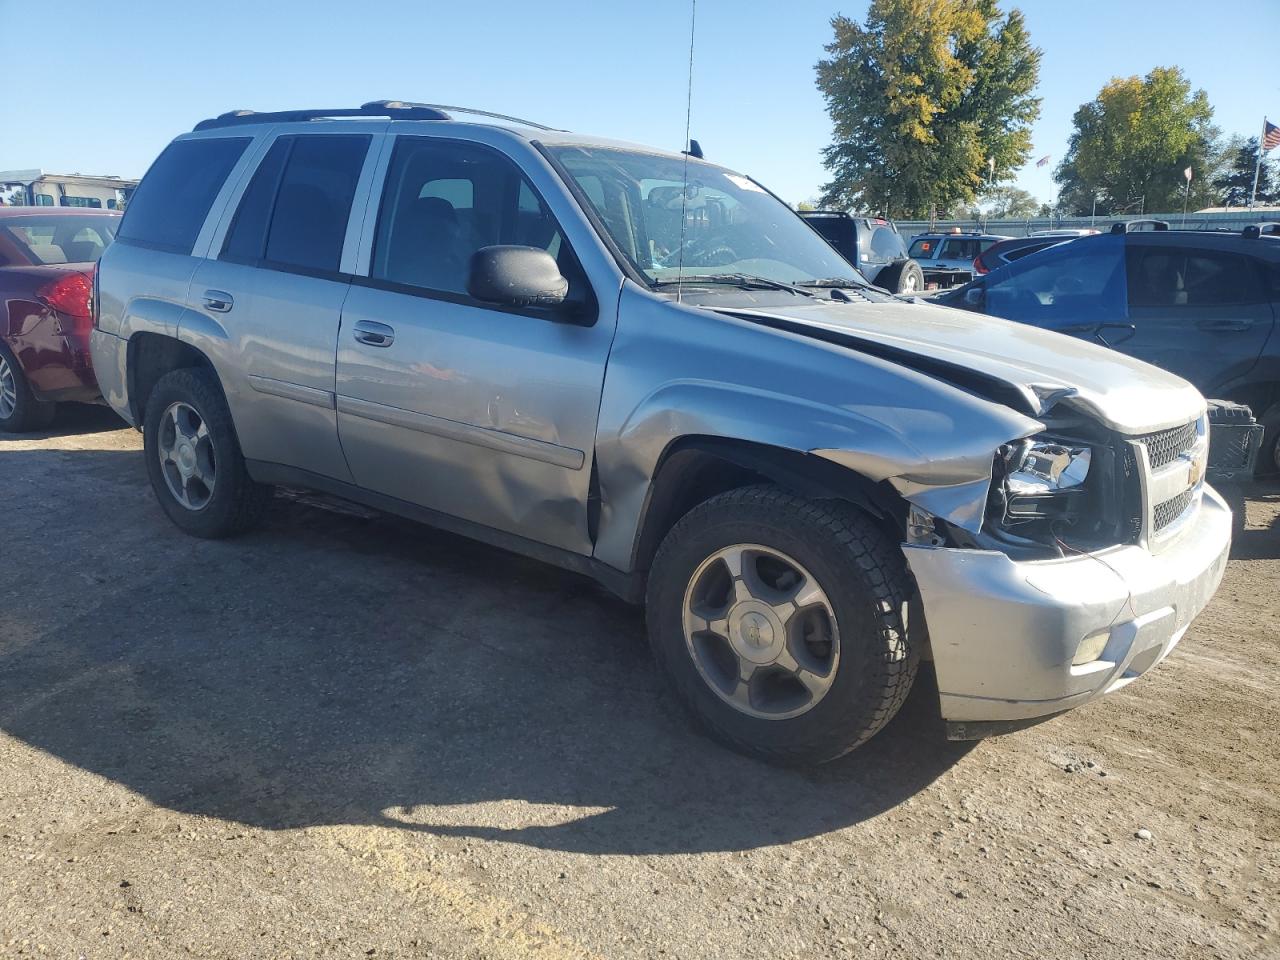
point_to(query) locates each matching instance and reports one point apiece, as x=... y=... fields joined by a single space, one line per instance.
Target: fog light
x=1091 y=648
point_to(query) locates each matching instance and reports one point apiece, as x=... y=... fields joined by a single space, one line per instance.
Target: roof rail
x=240 y=117
x=395 y=109
x=1128 y=226
x=1256 y=230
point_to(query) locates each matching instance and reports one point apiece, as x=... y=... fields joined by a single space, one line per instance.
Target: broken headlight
x=1044 y=479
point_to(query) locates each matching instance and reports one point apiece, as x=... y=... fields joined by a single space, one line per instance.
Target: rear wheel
x=780 y=623
x=194 y=460
x=20 y=411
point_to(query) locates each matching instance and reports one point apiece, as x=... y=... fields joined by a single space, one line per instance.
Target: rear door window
x=171 y=203
x=886 y=245
x=1166 y=276
x=313 y=201
x=247 y=239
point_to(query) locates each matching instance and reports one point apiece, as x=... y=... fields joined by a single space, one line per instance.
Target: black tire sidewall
x=198 y=388
x=911 y=269
x=851 y=711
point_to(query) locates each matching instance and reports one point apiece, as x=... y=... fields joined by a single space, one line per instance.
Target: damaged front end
x=1071 y=569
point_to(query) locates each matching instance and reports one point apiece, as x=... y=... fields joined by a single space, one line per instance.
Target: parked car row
x=643 y=367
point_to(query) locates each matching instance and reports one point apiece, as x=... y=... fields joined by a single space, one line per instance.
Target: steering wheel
x=716 y=255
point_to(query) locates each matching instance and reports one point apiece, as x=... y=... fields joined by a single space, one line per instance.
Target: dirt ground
x=350 y=736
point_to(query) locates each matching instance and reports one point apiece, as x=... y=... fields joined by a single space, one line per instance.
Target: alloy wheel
x=186 y=455
x=761 y=631
x=8 y=390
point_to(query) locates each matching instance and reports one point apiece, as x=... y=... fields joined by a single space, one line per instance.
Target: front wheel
x=780 y=623
x=194 y=460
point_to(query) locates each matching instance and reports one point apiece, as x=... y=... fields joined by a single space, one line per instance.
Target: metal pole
x=1186 y=195
x=1257 y=167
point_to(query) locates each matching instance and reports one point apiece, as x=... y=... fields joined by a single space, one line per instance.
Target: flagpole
x=1257 y=167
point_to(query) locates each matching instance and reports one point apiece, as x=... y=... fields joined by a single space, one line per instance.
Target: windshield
x=725 y=222
x=923 y=248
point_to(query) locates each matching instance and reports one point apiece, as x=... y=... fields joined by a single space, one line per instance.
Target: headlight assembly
x=1044 y=479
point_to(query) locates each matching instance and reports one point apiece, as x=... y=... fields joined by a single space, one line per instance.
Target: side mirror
x=516 y=277
x=975 y=296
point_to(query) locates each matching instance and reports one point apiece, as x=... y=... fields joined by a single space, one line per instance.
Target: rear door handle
x=1238 y=324
x=373 y=334
x=218 y=301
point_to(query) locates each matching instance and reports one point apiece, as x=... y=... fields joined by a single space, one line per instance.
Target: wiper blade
x=744 y=281
x=841 y=283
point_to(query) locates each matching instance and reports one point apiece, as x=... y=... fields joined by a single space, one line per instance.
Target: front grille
x=1165 y=446
x=1169 y=511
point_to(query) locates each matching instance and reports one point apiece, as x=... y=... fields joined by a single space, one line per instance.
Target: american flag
x=1270 y=135
x=1045 y=159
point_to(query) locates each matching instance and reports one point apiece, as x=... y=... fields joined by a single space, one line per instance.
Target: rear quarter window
x=886 y=245
x=173 y=199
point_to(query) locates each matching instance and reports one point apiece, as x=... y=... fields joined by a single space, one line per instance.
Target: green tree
x=1235 y=181
x=1008 y=203
x=922 y=98
x=1130 y=146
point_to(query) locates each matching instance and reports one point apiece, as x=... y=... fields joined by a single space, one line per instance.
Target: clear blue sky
x=118 y=80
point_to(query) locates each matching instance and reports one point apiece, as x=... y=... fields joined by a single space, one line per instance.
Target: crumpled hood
x=1125 y=394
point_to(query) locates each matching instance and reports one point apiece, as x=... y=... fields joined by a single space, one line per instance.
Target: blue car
x=1201 y=304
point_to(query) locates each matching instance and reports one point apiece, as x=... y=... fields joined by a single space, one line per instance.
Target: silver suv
x=646 y=368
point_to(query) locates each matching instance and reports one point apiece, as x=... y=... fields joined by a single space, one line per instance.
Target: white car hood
x=1125 y=394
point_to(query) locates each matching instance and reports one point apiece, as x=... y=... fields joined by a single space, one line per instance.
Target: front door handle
x=218 y=301
x=373 y=334
x=1237 y=324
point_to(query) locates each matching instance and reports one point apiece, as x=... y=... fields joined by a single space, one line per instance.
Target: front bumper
x=1004 y=633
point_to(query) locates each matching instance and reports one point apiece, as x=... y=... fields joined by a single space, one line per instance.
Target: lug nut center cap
x=186 y=457
x=755 y=632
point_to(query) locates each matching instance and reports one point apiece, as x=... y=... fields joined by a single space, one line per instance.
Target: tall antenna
x=684 y=187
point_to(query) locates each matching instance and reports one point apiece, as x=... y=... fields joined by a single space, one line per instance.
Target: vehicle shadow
x=1252 y=543
x=342 y=667
x=77 y=418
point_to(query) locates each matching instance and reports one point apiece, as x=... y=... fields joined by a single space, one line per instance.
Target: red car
x=47 y=259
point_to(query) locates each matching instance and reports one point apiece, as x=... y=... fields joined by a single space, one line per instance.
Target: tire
x=230 y=503
x=20 y=411
x=903 y=277
x=865 y=588
x=1268 y=464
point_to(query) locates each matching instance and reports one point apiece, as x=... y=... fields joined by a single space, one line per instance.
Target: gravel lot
x=352 y=736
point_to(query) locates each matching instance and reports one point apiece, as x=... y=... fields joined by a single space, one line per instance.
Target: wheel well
x=695 y=469
x=151 y=356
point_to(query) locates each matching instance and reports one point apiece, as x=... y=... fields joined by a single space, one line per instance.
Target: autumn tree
x=1130 y=146
x=922 y=98
x=1235 y=182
